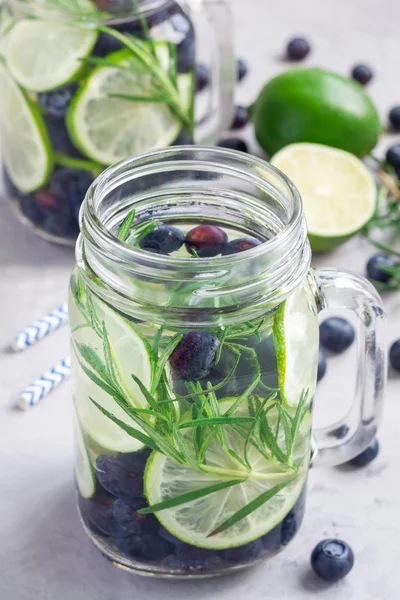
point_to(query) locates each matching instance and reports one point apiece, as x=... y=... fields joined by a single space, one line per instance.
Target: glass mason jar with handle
x=193 y=314
x=86 y=83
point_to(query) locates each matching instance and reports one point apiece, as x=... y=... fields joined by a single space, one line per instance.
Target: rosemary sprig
x=125 y=227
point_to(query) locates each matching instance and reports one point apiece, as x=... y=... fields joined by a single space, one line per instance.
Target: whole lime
x=313 y=105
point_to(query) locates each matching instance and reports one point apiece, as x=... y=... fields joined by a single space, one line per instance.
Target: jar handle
x=340 y=289
x=214 y=45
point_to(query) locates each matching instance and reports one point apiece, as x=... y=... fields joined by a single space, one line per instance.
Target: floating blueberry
x=191 y=558
x=298 y=48
x=100 y=513
x=289 y=528
x=61 y=225
x=243 y=554
x=167 y=536
x=394 y=355
x=241 y=69
x=163 y=239
x=194 y=356
x=207 y=240
x=321 y=365
x=394 y=118
x=145 y=547
x=56 y=103
x=202 y=77
x=186 y=52
x=336 y=334
x=126 y=514
x=240 y=118
x=233 y=144
x=362 y=73
x=47 y=200
x=240 y=245
x=332 y=559
x=376 y=266
x=59 y=138
x=70 y=187
x=31 y=210
x=367 y=456
x=393 y=156
x=122 y=475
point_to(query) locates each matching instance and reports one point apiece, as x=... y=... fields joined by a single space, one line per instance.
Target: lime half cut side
x=296 y=336
x=25 y=144
x=43 y=55
x=338 y=191
x=108 y=129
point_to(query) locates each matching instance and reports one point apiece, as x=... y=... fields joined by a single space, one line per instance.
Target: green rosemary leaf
x=215 y=412
x=112 y=374
x=221 y=335
x=244 y=432
x=132 y=98
x=156 y=342
x=286 y=427
x=125 y=227
x=193 y=252
x=93 y=317
x=217 y=421
x=254 y=428
x=151 y=401
x=251 y=507
x=103 y=62
x=102 y=384
x=189 y=496
x=82 y=326
x=94 y=360
x=184 y=449
x=243 y=397
x=140 y=232
x=236 y=457
x=206 y=441
x=270 y=441
x=162 y=360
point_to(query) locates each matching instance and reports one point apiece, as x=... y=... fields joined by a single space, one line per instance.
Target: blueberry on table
x=240 y=245
x=393 y=156
x=147 y=547
x=369 y=454
x=376 y=267
x=194 y=356
x=100 y=513
x=163 y=239
x=321 y=365
x=243 y=554
x=206 y=240
x=56 y=102
x=362 y=73
x=121 y=475
x=240 y=118
x=340 y=432
x=298 y=48
x=394 y=118
x=127 y=515
x=336 y=334
x=241 y=69
x=332 y=559
x=234 y=144
x=394 y=355
x=202 y=77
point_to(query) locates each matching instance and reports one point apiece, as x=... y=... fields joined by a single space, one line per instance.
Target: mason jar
x=86 y=83
x=193 y=314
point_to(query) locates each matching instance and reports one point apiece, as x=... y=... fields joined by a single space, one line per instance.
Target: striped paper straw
x=42 y=387
x=40 y=329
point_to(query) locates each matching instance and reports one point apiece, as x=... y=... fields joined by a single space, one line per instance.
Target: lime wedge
x=83 y=469
x=296 y=336
x=338 y=191
x=108 y=129
x=25 y=144
x=129 y=355
x=43 y=55
x=193 y=521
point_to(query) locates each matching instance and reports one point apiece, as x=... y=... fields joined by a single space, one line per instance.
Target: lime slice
x=25 y=144
x=338 y=191
x=43 y=55
x=130 y=356
x=83 y=469
x=6 y=24
x=108 y=129
x=296 y=336
x=193 y=521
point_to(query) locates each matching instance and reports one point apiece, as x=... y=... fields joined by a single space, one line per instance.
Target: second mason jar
x=87 y=83
x=193 y=315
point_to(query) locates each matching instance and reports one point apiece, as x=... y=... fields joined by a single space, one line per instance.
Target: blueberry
x=394 y=355
x=233 y=144
x=59 y=138
x=298 y=48
x=240 y=118
x=100 y=513
x=289 y=528
x=393 y=156
x=367 y=456
x=61 y=225
x=194 y=356
x=207 y=240
x=145 y=547
x=241 y=69
x=362 y=73
x=106 y=44
x=31 y=210
x=70 y=187
x=163 y=239
x=394 y=118
x=376 y=266
x=243 y=554
x=47 y=200
x=202 y=77
x=340 y=432
x=332 y=559
x=186 y=52
x=336 y=334
x=191 y=558
x=321 y=365
x=168 y=537
x=56 y=103
x=126 y=514
x=122 y=475
x=240 y=245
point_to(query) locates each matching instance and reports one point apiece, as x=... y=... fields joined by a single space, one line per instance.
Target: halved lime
x=193 y=521
x=25 y=144
x=129 y=355
x=338 y=191
x=83 y=469
x=296 y=336
x=108 y=129
x=43 y=55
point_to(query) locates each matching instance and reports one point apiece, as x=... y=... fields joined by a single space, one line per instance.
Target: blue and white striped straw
x=40 y=388
x=40 y=329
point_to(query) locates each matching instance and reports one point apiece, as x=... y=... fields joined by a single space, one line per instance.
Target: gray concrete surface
x=44 y=554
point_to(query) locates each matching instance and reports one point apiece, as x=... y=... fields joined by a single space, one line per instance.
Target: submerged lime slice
x=108 y=129
x=83 y=469
x=43 y=55
x=296 y=336
x=25 y=144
